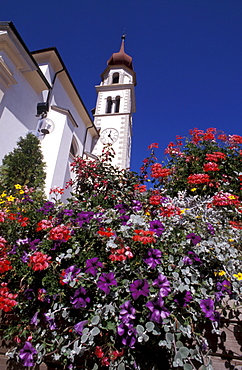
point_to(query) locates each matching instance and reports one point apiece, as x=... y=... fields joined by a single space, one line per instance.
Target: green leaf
x=95 y=331
x=121 y=366
x=95 y=320
x=169 y=337
x=179 y=344
x=84 y=338
x=149 y=326
x=140 y=329
x=184 y=351
x=187 y=367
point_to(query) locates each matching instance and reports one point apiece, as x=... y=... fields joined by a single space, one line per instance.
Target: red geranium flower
x=5 y=265
x=44 y=224
x=108 y=232
x=39 y=261
x=153 y=145
x=7 y=299
x=158 y=171
x=60 y=232
x=210 y=166
x=199 y=178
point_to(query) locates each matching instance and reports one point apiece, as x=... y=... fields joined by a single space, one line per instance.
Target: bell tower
x=115 y=107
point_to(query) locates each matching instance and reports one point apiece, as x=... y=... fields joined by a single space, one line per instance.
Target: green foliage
x=24 y=165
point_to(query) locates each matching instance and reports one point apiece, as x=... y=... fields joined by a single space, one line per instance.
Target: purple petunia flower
x=33 y=244
x=80 y=298
x=183 y=298
x=105 y=280
x=157 y=227
x=29 y=294
x=124 y=219
x=194 y=257
x=194 y=238
x=50 y=321
x=128 y=334
x=210 y=229
x=153 y=258
x=158 y=310
x=25 y=257
x=137 y=205
x=26 y=354
x=13 y=250
x=47 y=207
x=79 y=326
x=84 y=217
x=68 y=212
x=127 y=312
x=138 y=288
x=207 y=306
x=92 y=265
x=35 y=320
x=187 y=261
x=163 y=284
x=70 y=274
x=26 y=198
x=22 y=241
x=223 y=287
x=121 y=208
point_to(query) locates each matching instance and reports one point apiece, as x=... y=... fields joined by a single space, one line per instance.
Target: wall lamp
x=45 y=125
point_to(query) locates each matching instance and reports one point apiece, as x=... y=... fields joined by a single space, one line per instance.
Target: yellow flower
x=184 y=210
x=231 y=240
x=193 y=189
x=17 y=186
x=220 y=273
x=21 y=192
x=238 y=276
x=3 y=194
x=231 y=197
x=10 y=198
x=147 y=213
x=2 y=201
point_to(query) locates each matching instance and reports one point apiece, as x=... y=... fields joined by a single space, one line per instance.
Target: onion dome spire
x=121 y=57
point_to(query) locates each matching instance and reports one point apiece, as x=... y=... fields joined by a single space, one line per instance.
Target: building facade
x=35 y=86
x=115 y=107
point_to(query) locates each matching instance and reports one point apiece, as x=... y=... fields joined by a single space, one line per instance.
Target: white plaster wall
x=50 y=146
x=124 y=76
x=124 y=108
x=17 y=110
x=47 y=71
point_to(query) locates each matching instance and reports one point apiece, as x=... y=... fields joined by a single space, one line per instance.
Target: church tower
x=115 y=107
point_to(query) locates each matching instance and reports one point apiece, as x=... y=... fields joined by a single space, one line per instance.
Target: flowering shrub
x=122 y=277
x=205 y=163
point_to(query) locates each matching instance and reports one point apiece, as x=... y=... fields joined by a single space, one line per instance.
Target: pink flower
x=7 y=299
x=60 y=233
x=39 y=261
x=44 y=224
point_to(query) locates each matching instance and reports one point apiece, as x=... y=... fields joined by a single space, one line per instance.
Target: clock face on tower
x=109 y=136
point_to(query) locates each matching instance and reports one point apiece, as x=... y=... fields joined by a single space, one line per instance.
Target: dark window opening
x=109 y=105
x=117 y=104
x=115 y=78
x=74 y=147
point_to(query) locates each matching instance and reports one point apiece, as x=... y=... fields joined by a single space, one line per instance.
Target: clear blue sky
x=187 y=55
